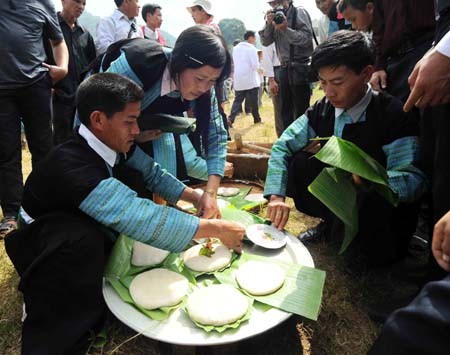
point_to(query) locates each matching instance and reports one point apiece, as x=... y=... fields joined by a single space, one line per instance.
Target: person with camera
x=289 y=27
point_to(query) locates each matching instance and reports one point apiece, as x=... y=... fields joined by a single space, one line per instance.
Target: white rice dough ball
x=227 y=191
x=202 y=263
x=146 y=255
x=259 y=278
x=217 y=305
x=158 y=288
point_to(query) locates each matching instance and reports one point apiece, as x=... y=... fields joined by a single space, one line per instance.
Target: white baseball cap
x=204 y=4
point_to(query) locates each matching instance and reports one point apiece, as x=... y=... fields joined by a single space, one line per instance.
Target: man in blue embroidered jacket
x=373 y=121
x=72 y=196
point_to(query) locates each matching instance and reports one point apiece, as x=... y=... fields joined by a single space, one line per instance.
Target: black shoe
x=313 y=234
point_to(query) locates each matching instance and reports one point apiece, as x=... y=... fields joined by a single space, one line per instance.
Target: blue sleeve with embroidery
x=404 y=178
x=195 y=165
x=217 y=141
x=293 y=139
x=116 y=206
x=156 y=179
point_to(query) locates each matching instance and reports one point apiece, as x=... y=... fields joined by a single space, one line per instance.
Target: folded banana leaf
x=334 y=186
x=167 y=123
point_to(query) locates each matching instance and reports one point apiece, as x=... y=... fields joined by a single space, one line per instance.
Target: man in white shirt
x=151 y=13
x=246 y=76
x=120 y=25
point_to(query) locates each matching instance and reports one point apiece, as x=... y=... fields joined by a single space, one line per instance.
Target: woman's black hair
x=198 y=46
x=348 y=48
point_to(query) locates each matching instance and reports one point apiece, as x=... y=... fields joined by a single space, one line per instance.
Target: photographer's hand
x=282 y=26
x=269 y=16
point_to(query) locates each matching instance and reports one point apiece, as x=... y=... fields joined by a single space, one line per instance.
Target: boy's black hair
x=105 y=92
x=349 y=48
x=249 y=34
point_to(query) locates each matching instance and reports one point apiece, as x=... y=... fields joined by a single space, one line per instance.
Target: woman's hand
x=278 y=211
x=207 y=206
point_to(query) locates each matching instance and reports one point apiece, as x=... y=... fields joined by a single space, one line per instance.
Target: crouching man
x=75 y=207
x=373 y=121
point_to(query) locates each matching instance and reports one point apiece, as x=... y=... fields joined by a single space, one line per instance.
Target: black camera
x=280 y=14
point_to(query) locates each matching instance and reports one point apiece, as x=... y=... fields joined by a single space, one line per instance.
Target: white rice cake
x=228 y=191
x=158 y=288
x=217 y=305
x=202 y=263
x=259 y=278
x=256 y=198
x=146 y=255
x=222 y=203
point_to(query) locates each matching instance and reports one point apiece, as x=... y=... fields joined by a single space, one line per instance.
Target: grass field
x=343 y=326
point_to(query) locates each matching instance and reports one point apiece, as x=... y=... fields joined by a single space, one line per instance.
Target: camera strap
x=293 y=26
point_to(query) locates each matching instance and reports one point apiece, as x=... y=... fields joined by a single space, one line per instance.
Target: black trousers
x=63 y=115
x=294 y=98
x=60 y=259
x=251 y=96
x=423 y=327
x=30 y=105
x=384 y=230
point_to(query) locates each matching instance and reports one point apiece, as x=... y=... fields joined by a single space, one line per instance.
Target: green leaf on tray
x=301 y=292
x=222 y=328
x=334 y=186
x=122 y=288
x=120 y=272
x=239 y=200
x=244 y=217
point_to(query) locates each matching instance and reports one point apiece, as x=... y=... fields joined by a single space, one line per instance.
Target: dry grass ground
x=343 y=326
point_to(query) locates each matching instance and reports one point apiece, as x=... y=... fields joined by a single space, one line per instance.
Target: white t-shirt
x=246 y=65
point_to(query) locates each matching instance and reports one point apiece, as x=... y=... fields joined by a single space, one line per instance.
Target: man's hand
x=441 y=242
x=429 y=82
x=273 y=87
x=282 y=26
x=313 y=147
x=148 y=135
x=379 y=80
x=278 y=211
x=56 y=73
x=229 y=233
x=269 y=16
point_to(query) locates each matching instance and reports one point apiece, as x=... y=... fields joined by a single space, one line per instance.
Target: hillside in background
x=90 y=22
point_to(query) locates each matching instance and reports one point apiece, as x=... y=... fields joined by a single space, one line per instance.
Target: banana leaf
x=301 y=292
x=347 y=156
x=167 y=123
x=334 y=186
x=244 y=217
x=335 y=189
